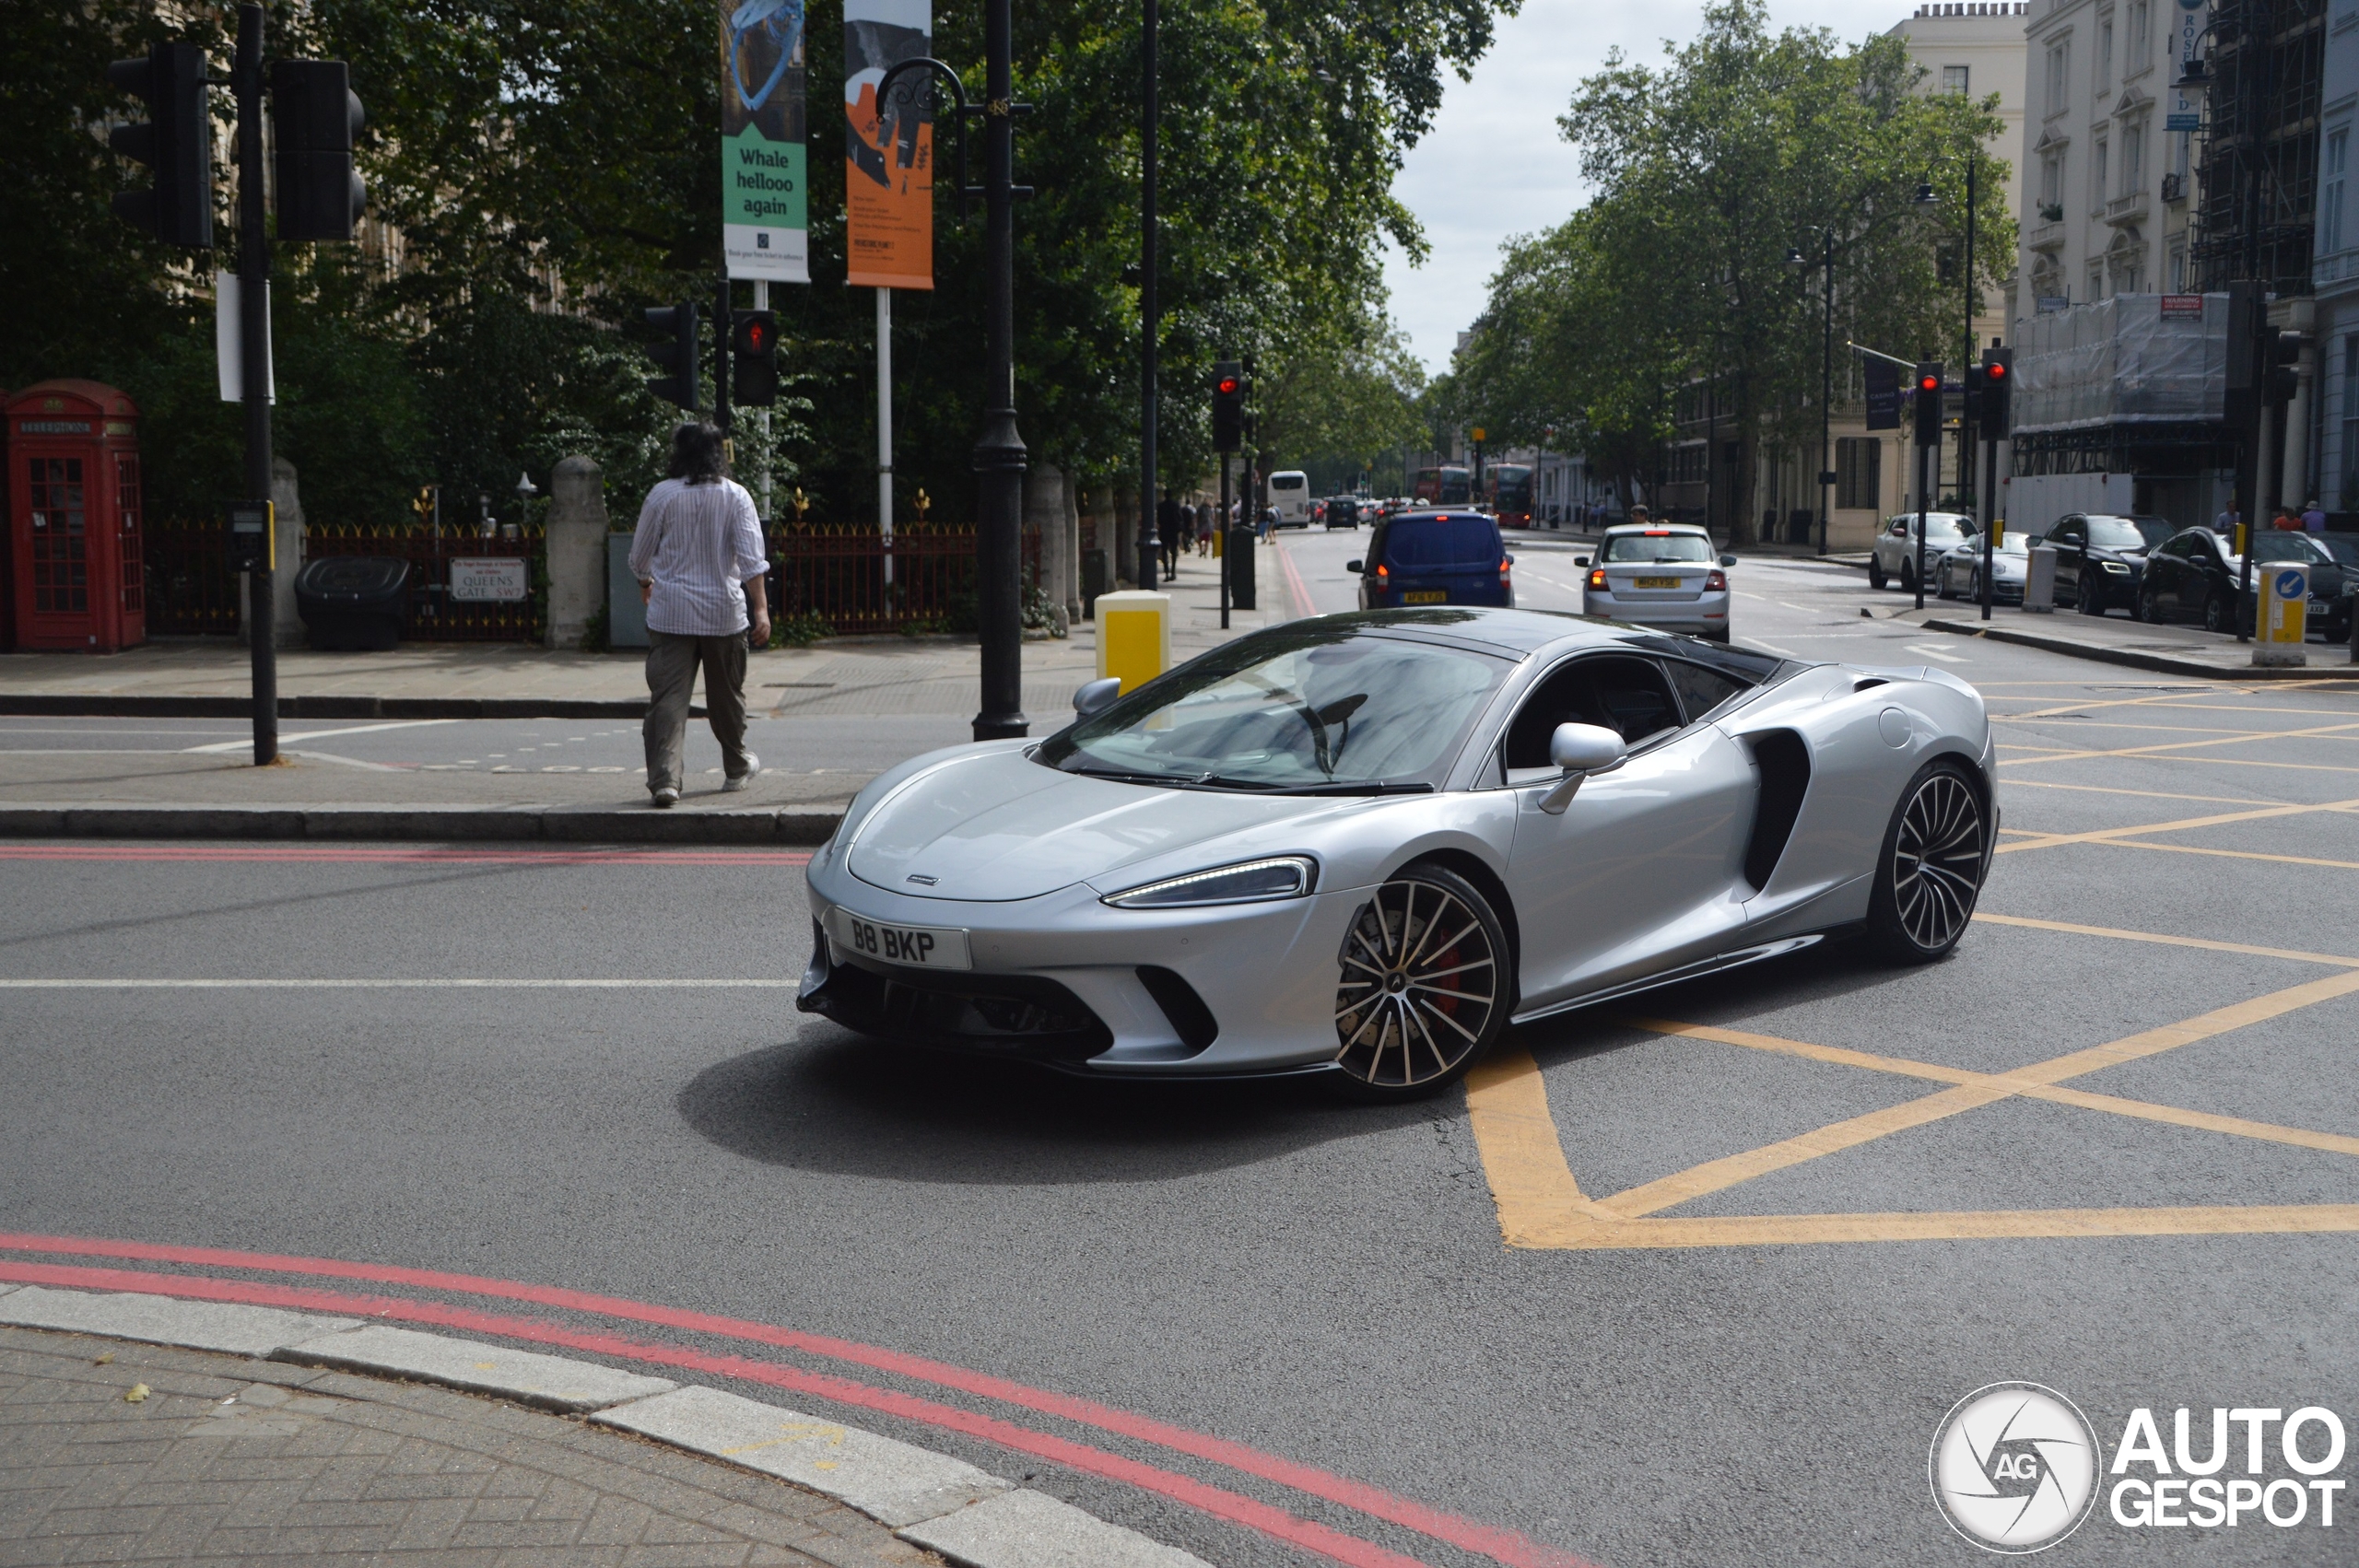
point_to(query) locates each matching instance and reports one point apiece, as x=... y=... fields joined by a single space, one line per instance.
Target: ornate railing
x=432 y=615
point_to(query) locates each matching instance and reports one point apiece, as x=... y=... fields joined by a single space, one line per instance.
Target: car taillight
x=1504 y=565
x=1597 y=577
x=1381 y=572
x=1716 y=582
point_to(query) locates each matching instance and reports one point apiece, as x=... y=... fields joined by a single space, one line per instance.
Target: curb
x=433 y=823
x=2163 y=663
x=28 y=704
x=929 y=1500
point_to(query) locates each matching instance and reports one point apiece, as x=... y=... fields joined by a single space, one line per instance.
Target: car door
x=2165 y=569
x=1642 y=870
x=2070 y=539
x=2207 y=579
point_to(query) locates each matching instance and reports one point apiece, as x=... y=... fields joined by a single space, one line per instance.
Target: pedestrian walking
x=2229 y=525
x=2314 y=518
x=699 y=561
x=1204 y=529
x=1167 y=528
x=2286 y=521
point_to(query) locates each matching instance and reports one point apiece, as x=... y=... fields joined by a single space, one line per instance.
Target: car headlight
x=1250 y=882
x=2116 y=566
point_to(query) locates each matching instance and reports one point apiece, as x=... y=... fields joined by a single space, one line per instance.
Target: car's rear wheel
x=1423 y=987
x=2215 y=615
x=1936 y=852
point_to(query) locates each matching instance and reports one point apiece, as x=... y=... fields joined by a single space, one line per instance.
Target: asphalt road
x=1324 y=1283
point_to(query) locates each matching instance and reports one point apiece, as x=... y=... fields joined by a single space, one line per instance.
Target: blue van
x=1435 y=558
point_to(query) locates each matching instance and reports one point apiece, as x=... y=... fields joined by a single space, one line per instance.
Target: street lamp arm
x=943 y=72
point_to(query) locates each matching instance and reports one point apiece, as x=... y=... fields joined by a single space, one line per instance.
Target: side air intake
x=1784 y=762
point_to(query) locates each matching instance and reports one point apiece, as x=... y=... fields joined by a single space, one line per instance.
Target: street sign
x=489 y=580
x=1882 y=379
x=765 y=184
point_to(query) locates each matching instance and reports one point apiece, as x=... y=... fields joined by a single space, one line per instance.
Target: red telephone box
x=74 y=516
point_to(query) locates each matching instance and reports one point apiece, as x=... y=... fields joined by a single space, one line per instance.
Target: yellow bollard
x=1133 y=636
x=2285 y=592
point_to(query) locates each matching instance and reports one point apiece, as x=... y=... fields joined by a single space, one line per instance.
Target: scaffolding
x=2260 y=151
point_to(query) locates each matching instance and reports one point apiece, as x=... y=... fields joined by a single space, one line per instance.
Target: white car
x=1889 y=559
x=1290 y=497
x=1662 y=575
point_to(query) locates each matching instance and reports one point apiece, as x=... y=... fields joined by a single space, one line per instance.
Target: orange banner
x=889 y=148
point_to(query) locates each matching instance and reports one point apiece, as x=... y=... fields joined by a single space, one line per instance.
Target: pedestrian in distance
x=2286 y=521
x=1167 y=528
x=2229 y=525
x=2313 y=517
x=700 y=562
x=1204 y=529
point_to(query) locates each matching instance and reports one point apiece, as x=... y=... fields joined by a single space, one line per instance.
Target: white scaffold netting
x=2121 y=362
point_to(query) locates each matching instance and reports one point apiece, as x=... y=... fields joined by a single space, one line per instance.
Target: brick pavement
x=234 y=1460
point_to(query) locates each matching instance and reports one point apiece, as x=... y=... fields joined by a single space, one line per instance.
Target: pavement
x=145 y=1427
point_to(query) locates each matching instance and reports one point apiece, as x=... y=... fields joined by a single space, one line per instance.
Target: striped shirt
x=697 y=544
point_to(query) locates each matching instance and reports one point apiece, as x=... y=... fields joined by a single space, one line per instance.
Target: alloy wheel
x=1420 y=985
x=1937 y=861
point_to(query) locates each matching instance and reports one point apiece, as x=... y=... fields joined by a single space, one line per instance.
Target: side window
x=1626 y=696
x=1700 y=690
x=2182 y=545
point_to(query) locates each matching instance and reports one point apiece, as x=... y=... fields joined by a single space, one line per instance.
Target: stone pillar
x=1071 y=550
x=286 y=621
x=1044 y=514
x=2293 y=479
x=576 y=539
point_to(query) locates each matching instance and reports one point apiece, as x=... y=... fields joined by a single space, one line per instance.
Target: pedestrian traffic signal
x=1926 y=393
x=753 y=380
x=683 y=323
x=1228 y=405
x=176 y=142
x=2280 y=378
x=1998 y=390
x=314 y=117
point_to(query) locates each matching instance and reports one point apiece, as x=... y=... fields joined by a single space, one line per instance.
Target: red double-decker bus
x=1448 y=485
x=1507 y=490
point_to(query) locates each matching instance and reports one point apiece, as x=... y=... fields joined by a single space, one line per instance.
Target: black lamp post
x=1927 y=197
x=1149 y=545
x=999 y=452
x=1794 y=258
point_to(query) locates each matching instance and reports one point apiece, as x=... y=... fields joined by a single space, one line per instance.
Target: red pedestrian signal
x=1228 y=405
x=753 y=372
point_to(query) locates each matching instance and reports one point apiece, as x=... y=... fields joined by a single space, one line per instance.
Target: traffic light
x=1926 y=393
x=177 y=142
x=314 y=117
x=1228 y=407
x=753 y=380
x=2280 y=353
x=683 y=322
x=1998 y=388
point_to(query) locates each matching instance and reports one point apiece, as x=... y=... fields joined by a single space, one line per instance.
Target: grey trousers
x=671 y=664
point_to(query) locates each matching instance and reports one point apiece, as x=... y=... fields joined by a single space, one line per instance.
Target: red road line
x=1275 y=1523
x=1296 y=591
x=357 y=855
x=1505 y=1546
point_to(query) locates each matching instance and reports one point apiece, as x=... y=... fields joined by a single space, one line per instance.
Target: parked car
x=1659 y=575
x=1889 y=557
x=1435 y=557
x=2101 y=558
x=2194 y=576
x=1341 y=512
x=1959 y=572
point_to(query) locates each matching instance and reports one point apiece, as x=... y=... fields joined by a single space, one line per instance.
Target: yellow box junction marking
x=1541 y=1204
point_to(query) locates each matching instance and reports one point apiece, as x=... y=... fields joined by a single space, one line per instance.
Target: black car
x=1342 y=511
x=2101 y=557
x=2193 y=575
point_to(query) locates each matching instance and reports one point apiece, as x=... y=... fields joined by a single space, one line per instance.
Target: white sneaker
x=667 y=796
x=753 y=766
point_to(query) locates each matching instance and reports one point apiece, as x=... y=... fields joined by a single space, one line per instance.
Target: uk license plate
x=1426 y=596
x=921 y=947
x=1654 y=582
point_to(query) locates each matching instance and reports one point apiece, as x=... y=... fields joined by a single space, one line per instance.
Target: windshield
x=1658 y=547
x=2009 y=543
x=1341 y=708
x=2279 y=546
x=1441 y=542
x=2341 y=546
x=2126 y=534
x=1288 y=482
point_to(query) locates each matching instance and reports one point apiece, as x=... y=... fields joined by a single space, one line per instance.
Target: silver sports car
x=1361 y=844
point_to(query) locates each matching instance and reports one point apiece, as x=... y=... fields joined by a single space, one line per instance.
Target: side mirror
x=1728 y=560
x=1096 y=695
x=1355 y=565
x=1580 y=560
x=1580 y=750
x=1510 y=560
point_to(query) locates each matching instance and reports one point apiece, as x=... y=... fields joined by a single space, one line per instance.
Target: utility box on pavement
x=1240 y=567
x=2039 y=581
x=2284 y=587
x=1133 y=636
x=625 y=611
x=78 y=565
x=353 y=602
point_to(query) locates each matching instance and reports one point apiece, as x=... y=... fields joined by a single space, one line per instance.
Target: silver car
x=1360 y=845
x=1889 y=556
x=1958 y=574
x=1661 y=574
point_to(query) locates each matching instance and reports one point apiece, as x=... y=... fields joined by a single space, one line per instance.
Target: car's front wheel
x=1876 y=579
x=2090 y=595
x=1423 y=987
x=1936 y=852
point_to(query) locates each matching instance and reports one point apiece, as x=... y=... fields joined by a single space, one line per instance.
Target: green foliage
x=799 y=630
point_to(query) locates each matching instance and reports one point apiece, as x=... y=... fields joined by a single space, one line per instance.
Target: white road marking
x=1772 y=646
x=486 y=983
x=1930 y=652
x=323 y=735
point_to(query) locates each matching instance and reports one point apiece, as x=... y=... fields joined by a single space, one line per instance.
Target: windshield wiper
x=1168 y=780
x=1356 y=786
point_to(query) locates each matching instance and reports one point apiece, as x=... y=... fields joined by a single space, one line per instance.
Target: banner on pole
x=764 y=184
x=888 y=148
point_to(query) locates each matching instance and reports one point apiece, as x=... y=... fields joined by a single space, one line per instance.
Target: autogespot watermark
x=2016 y=1467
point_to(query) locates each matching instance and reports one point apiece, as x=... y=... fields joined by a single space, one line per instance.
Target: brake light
x=1658 y=532
x=1597 y=577
x=1381 y=570
x=1716 y=582
x=1504 y=565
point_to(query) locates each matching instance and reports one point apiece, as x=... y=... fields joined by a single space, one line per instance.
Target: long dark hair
x=698 y=455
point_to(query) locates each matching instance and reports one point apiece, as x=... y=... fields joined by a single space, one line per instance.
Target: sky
x=1494 y=165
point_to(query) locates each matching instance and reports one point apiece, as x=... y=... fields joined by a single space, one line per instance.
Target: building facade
x=2334 y=478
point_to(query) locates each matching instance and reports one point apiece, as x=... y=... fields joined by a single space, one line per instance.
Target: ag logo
x=2014 y=1467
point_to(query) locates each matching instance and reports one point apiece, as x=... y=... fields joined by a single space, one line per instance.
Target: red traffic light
x=1994 y=371
x=1928 y=383
x=1227 y=386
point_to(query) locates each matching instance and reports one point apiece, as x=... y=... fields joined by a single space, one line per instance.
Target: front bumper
x=1065 y=980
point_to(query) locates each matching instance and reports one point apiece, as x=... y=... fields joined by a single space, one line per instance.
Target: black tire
x=1399 y=1035
x=1936 y=852
x=2215 y=615
x=1907 y=578
x=2090 y=595
x=1942 y=585
x=1876 y=579
x=1974 y=587
x=2143 y=608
